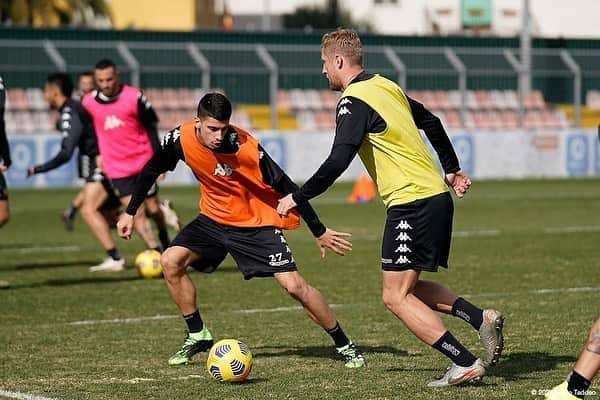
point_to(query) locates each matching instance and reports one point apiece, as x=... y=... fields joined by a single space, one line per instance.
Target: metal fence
x=253 y=73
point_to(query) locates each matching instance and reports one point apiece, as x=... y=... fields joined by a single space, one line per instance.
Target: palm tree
x=55 y=13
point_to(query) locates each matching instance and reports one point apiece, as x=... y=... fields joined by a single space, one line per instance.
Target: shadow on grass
x=75 y=281
x=50 y=264
x=249 y=381
x=512 y=366
x=320 y=351
x=516 y=366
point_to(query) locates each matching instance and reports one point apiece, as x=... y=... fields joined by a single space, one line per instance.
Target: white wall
x=573 y=18
x=484 y=155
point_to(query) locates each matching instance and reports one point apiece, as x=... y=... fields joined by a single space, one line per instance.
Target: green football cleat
x=193 y=343
x=351 y=356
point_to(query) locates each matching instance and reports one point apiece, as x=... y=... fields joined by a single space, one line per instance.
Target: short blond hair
x=344 y=42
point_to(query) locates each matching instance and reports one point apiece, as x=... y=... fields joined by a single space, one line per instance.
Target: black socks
x=468 y=312
x=451 y=348
x=194 y=322
x=338 y=335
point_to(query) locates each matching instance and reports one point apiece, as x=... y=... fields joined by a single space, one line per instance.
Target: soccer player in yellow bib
x=375 y=119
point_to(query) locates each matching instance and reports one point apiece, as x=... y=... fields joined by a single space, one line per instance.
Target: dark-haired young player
x=240 y=185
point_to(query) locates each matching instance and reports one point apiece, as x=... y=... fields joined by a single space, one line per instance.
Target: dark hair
x=62 y=81
x=105 y=63
x=214 y=105
x=86 y=73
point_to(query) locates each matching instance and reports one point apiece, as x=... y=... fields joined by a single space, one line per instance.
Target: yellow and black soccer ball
x=147 y=264
x=229 y=360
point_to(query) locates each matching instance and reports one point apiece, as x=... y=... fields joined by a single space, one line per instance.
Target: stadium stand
x=311 y=109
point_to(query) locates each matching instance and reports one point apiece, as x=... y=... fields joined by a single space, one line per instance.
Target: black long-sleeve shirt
x=170 y=153
x=352 y=127
x=77 y=130
x=146 y=114
x=4 y=149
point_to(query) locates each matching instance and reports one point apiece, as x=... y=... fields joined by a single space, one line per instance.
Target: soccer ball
x=229 y=360
x=147 y=264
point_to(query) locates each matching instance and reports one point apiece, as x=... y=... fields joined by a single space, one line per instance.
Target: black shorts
x=417 y=235
x=88 y=169
x=258 y=252
x=3 y=188
x=125 y=186
x=113 y=200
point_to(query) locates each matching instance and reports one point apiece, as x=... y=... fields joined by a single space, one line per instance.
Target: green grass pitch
x=528 y=248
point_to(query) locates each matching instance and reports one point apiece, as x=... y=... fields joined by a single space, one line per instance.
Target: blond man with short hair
x=375 y=119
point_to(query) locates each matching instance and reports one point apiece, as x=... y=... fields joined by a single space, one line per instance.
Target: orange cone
x=364 y=190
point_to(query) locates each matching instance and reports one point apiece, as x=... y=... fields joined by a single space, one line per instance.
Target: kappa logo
x=170 y=137
x=403 y=237
x=345 y=100
x=403 y=249
x=223 y=170
x=343 y=111
x=402 y=260
x=403 y=225
x=112 y=122
x=386 y=261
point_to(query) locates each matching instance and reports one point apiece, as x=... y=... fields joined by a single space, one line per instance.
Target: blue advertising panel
x=577 y=152
x=65 y=174
x=23 y=152
x=276 y=148
x=465 y=150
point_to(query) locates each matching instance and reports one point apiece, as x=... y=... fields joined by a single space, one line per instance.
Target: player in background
x=126 y=128
x=85 y=84
x=586 y=368
x=75 y=126
x=239 y=185
x=376 y=120
x=5 y=160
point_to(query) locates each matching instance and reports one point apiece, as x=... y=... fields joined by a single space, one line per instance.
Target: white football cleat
x=457 y=375
x=109 y=265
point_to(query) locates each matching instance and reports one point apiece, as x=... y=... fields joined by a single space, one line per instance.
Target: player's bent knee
x=172 y=265
x=299 y=290
x=392 y=300
x=4 y=219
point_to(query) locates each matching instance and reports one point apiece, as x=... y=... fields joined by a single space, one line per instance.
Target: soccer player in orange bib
x=240 y=186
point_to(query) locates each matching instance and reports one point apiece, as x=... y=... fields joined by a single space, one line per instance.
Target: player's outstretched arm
x=334 y=241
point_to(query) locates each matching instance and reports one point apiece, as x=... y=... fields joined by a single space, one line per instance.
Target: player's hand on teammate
x=125 y=226
x=459 y=182
x=334 y=241
x=285 y=205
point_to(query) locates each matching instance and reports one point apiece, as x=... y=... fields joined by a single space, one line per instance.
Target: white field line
x=40 y=249
x=22 y=396
x=121 y=320
x=488 y=232
x=294 y=308
x=573 y=229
